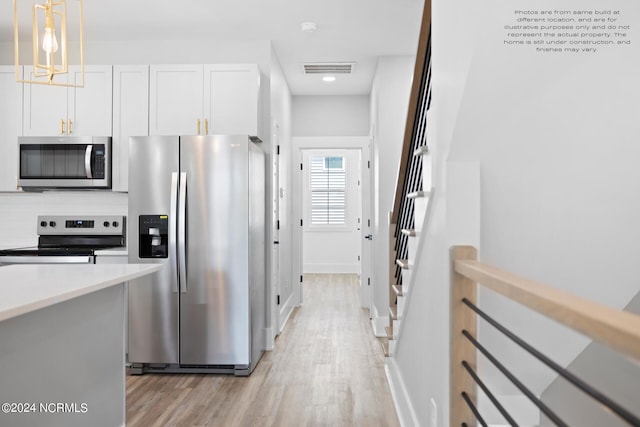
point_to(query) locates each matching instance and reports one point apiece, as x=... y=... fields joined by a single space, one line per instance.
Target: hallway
x=326 y=370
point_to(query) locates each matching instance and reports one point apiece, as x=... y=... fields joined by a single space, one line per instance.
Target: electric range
x=70 y=239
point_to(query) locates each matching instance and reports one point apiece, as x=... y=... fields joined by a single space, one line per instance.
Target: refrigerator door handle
x=182 y=232
x=173 y=219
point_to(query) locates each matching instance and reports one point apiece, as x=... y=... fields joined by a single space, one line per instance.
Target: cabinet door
x=44 y=107
x=130 y=117
x=232 y=99
x=90 y=107
x=175 y=99
x=11 y=119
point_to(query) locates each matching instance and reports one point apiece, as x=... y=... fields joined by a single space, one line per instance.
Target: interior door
x=366 y=250
x=275 y=227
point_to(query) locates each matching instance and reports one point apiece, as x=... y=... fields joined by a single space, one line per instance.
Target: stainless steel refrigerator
x=197 y=206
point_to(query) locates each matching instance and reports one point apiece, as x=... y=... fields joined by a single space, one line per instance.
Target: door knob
x=368 y=237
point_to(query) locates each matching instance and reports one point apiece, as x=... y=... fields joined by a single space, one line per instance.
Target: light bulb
x=49 y=41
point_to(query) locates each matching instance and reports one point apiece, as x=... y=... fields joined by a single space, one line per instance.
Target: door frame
x=325 y=143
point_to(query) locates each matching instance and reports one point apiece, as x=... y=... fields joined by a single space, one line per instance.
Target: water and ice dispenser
x=154 y=236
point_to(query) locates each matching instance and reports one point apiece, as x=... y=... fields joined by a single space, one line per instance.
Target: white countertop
x=27 y=288
x=112 y=252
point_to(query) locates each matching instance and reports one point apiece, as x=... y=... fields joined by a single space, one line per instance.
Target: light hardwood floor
x=326 y=370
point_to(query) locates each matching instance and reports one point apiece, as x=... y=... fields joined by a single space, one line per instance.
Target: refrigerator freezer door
x=153 y=299
x=214 y=311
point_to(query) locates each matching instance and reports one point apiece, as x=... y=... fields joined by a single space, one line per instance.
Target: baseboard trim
x=378 y=323
x=269 y=339
x=288 y=305
x=331 y=268
x=404 y=408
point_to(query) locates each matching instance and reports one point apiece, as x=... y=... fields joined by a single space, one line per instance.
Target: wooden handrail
x=414 y=103
x=618 y=329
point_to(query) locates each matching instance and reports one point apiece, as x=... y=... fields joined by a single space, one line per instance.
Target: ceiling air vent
x=329 y=67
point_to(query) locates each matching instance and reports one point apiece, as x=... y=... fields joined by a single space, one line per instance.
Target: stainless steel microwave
x=73 y=162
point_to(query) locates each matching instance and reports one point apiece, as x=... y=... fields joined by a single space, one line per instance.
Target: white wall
x=331 y=115
x=167 y=52
x=335 y=249
x=554 y=137
x=388 y=113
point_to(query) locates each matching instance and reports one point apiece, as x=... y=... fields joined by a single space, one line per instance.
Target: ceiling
x=346 y=31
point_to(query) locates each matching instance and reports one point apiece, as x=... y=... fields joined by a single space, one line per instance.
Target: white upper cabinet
x=11 y=119
x=232 y=99
x=130 y=117
x=204 y=99
x=60 y=110
x=175 y=99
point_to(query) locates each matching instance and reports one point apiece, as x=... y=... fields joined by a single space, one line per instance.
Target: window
x=328 y=187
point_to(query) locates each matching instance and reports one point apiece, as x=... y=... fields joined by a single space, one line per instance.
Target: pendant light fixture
x=49 y=45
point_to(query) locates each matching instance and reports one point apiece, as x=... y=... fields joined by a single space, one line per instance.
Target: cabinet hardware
x=61 y=126
x=206 y=126
x=198 y=126
x=69 y=127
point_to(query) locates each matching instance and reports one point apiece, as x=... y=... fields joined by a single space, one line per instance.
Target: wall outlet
x=434 y=414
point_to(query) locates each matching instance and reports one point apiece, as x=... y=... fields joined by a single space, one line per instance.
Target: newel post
x=462 y=318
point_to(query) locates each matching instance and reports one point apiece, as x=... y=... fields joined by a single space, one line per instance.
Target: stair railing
x=410 y=170
x=617 y=329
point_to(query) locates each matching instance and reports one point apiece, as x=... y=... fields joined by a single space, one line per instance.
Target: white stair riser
x=400 y=304
x=412 y=243
x=419 y=211
x=396 y=328
x=406 y=277
x=426 y=172
x=392 y=346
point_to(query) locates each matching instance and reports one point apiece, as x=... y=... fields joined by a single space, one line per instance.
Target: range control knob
x=52 y=223
x=106 y=224
x=43 y=223
x=115 y=223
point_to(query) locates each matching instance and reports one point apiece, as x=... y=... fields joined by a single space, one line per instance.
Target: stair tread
x=397 y=289
x=409 y=232
x=418 y=194
x=389 y=331
x=421 y=150
x=393 y=312
x=403 y=263
x=385 y=347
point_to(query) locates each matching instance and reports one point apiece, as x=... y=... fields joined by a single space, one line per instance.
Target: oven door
x=64 y=162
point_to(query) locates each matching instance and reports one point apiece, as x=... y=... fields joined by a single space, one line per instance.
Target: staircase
x=407 y=235
x=413 y=190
